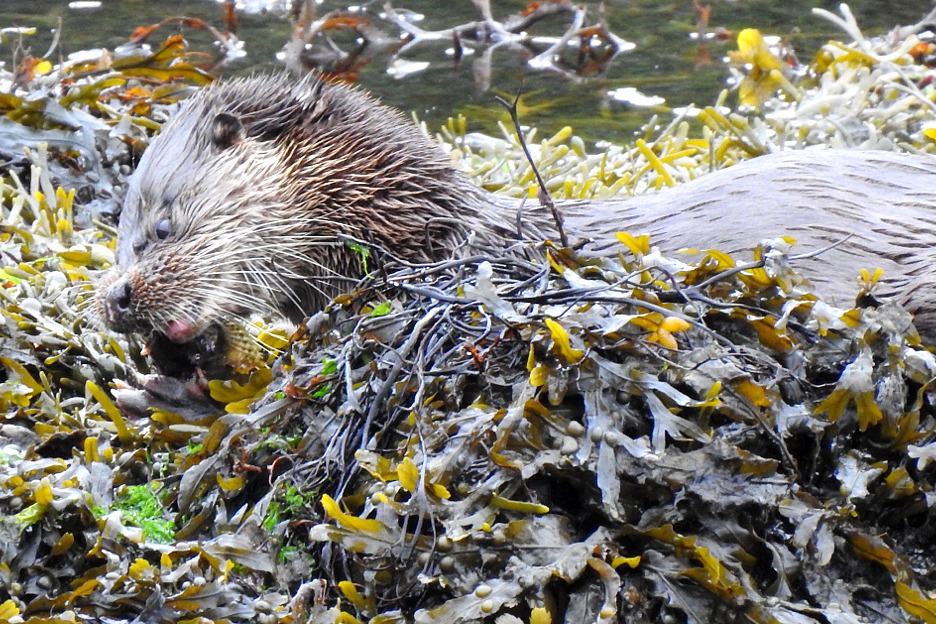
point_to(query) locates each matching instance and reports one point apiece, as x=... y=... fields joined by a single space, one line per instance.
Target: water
x=666 y=61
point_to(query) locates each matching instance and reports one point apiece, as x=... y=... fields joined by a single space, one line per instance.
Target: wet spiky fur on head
x=241 y=203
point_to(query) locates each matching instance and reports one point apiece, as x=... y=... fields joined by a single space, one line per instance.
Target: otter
x=246 y=200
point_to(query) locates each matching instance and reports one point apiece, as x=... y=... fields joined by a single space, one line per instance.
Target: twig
x=544 y=195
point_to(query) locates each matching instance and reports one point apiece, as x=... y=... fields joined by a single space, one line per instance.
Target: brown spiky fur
x=261 y=180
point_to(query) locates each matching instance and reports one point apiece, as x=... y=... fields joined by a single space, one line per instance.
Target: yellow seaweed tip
x=408 y=475
x=638 y=245
x=539 y=376
x=540 y=615
x=351 y=592
x=562 y=342
x=347 y=520
x=631 y=562
x=915 y=604
x=518 y=506
x=123 y=433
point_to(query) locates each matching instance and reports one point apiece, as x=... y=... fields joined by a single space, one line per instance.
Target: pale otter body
x=245 y=201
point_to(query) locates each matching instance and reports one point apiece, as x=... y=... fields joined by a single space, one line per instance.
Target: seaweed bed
x=495 y=439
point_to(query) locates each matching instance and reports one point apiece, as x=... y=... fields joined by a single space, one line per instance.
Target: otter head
x=246 y=200
x=191 y=248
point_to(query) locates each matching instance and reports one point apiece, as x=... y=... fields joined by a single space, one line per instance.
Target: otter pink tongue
x=181 y=331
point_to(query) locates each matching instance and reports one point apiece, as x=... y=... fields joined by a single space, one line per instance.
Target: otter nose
x=118 y=302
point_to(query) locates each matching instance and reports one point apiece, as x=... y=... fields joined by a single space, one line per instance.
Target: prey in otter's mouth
x=244 y=204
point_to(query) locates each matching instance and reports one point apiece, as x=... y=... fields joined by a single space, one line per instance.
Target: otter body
x=247 y=199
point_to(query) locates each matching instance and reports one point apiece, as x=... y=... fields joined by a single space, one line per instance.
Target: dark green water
x=665 y=61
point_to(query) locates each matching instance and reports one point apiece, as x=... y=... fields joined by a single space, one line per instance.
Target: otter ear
x=226 y=130
x=317 y=110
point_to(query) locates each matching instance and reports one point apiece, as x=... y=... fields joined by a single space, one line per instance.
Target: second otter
x=244 y=203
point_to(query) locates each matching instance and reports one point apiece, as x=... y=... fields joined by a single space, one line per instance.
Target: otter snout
x=118 y=305
x=126 y=308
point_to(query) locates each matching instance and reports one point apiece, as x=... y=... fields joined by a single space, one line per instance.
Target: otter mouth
x=121 y=313
x=183 y=331
x=126 y=307
x=204 y=351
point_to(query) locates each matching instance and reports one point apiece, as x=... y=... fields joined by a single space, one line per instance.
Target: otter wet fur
x=246 y=200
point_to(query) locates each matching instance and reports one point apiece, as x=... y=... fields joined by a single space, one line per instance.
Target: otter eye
x=163 y=229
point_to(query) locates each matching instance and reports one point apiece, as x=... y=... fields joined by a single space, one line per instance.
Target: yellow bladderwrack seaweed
x=562 y=343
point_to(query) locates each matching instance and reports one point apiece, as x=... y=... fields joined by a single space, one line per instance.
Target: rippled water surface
x=666 y=62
